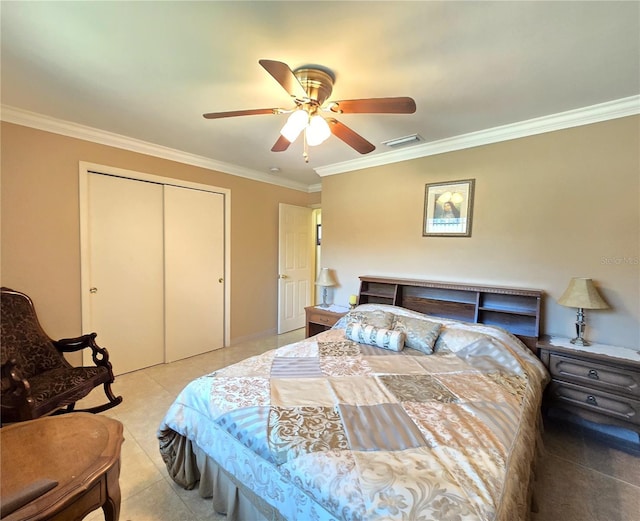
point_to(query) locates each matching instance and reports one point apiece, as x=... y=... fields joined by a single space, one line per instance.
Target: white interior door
x=126 y=270
x=194 y=272
x=295 y=265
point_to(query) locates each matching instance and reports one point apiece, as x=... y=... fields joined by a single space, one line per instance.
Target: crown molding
x=573 y=118
x=75 y=130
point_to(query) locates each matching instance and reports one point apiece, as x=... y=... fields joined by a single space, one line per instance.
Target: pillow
x=420 y=334
x=454 y=339
x=375 y=336
x=375 y=318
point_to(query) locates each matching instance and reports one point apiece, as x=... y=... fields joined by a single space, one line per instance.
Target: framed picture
x=448 y=209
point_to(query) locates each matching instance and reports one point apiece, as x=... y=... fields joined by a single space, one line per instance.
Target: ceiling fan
x=310 y=87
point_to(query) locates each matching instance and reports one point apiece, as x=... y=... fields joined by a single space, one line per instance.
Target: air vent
x=403 y=141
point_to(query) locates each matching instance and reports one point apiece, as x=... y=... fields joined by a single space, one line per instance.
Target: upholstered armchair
x=36 y=378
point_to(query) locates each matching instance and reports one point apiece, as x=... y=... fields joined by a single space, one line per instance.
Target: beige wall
x=41 y=234
x=547 y=208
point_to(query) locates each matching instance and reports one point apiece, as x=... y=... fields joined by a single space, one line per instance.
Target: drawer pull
x=591 y=400
x=593 y=374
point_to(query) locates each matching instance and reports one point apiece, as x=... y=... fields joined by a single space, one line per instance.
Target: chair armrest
x=12 y=378
x=99 y=354
x=70 y=345
x=16 y=391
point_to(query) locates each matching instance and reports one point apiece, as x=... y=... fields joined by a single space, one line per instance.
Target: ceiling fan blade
x=281 y=145
x=403 y=105
x=285 y=77
x=351 y=138
x=233 y=113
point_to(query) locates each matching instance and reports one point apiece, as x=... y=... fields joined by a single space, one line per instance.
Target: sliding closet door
x=194 y=271
x=126 y=270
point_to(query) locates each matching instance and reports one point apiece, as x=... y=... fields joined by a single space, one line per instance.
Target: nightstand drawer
x=600 y=402
x=322 y=318
x=595 y=375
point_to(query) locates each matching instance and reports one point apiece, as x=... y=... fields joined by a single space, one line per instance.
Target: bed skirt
x=189 y=466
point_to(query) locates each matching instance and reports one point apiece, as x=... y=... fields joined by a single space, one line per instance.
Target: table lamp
x=325 y=279
x=581 y=294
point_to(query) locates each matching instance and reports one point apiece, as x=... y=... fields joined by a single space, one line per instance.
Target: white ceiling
x=149 y=70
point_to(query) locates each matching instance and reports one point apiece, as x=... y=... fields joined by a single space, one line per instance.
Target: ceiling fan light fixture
x=318 y=131
x=310 y=87
x=297 y=122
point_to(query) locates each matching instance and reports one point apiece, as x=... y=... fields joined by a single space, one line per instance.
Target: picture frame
x=448 y=209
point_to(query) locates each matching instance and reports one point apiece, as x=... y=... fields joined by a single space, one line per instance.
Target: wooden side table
x=79 y=451
x=599 y=382
x=320 y=319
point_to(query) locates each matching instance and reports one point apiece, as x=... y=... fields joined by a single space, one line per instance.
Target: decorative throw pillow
x=454 y=339
x=420 y=334
x=375 y=318
x=375 y=336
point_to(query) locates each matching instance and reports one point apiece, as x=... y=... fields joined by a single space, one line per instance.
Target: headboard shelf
x=504 y=309
x=515 y=309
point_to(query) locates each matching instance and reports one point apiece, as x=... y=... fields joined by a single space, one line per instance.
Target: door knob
x=283 y=276
x=220 y=280
x=93 y=290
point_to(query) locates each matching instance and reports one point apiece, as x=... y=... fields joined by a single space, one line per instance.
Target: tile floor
x=579 y=478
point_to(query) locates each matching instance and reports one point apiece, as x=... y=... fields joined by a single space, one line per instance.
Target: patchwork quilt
x=330 y=428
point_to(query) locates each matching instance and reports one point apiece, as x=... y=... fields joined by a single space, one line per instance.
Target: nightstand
x=600 y=383
x=320 y=319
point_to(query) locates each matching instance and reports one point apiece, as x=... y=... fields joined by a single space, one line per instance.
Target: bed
x=389 y=415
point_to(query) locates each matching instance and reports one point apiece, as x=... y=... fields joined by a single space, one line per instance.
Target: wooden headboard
x=515 y=309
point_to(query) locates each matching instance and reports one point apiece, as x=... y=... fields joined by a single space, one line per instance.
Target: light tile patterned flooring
x=579 y=479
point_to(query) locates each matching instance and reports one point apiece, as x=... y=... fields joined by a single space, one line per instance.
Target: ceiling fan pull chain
x=305 y=152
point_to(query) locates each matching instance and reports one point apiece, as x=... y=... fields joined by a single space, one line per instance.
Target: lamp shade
x=326 y=278
x=581 y=293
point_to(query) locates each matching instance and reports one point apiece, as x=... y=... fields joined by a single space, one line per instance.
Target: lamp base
x=580 y=325
x=325 y=304
x=580 y=341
